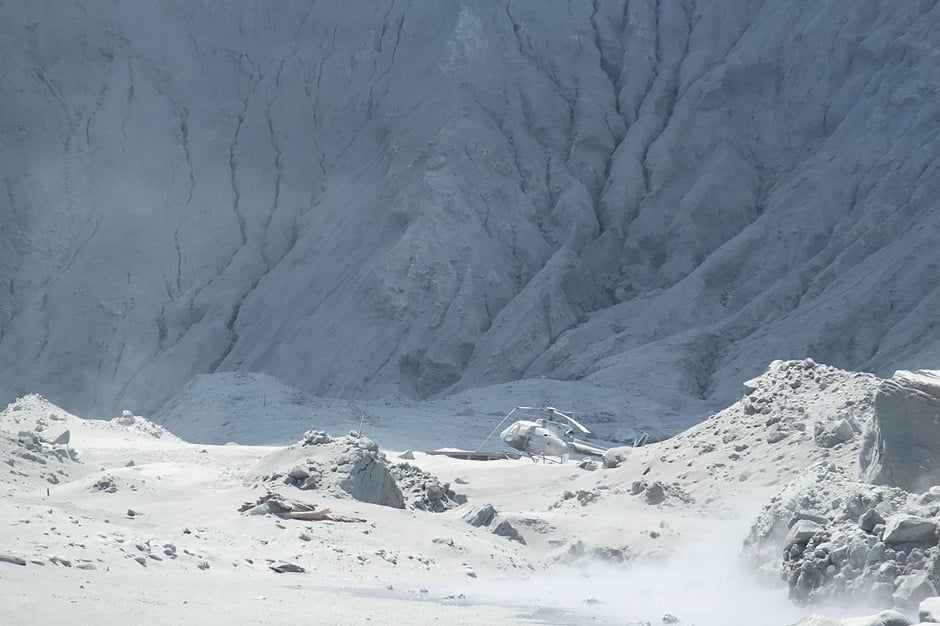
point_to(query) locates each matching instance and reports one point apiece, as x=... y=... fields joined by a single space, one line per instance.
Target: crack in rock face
x=655 y=198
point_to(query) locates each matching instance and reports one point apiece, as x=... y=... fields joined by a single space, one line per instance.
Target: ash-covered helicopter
x=554 y=435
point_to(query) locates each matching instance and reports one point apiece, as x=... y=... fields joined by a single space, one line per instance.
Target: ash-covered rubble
x=790 y=397
x=29 y=453
x=353 y=466
x=832 y=534
x=36 y=445
x=423 y=490
x=142 y=425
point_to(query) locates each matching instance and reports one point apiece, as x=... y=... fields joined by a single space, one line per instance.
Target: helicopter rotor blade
x=493 y=432
x=570 y=419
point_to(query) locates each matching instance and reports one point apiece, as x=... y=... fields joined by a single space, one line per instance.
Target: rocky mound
x=142 y=425
x=795 y=414
x=36 y=444
x=353 y=466
x=35 y=413
x=833 y=534
x=29 y=455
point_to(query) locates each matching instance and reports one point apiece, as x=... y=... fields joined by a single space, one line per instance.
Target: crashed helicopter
x=554 y=435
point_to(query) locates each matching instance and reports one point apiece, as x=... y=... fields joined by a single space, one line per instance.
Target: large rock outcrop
x=902 y=442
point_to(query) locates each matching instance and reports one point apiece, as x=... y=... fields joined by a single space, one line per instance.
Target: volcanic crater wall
x=416 y=197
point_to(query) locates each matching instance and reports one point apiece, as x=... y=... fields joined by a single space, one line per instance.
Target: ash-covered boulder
x=507 y=530
x=902 y=444
x=907 y=528
x=482 y=516
x=914 y=588
x=832 y=434
x=884 y=618
x=346 y=466
x=802 y=531
x=870 y=520
x=614 y=457
x=929 y=610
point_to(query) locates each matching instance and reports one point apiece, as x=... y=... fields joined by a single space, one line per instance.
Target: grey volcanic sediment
x=370 y=198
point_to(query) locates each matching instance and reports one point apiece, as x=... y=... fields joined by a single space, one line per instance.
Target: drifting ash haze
x=422 y=197
x=257 y=221
x=110 y=518
x=132 y=507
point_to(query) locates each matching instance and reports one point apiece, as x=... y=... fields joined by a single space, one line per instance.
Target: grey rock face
x=902 y=444
x=653 y=193
x=905 y=528
x=369 y=480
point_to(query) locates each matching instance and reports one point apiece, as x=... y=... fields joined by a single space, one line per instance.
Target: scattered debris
x=423 y=490
x=587 y=464
x=586 y=497
x=9 y=558
x=287 y=508
x=283 y=568
x=105 y=484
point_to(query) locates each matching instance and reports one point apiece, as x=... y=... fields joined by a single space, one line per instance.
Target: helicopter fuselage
x=540 y=437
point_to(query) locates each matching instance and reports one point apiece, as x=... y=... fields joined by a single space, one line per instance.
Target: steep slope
x=656 y=196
